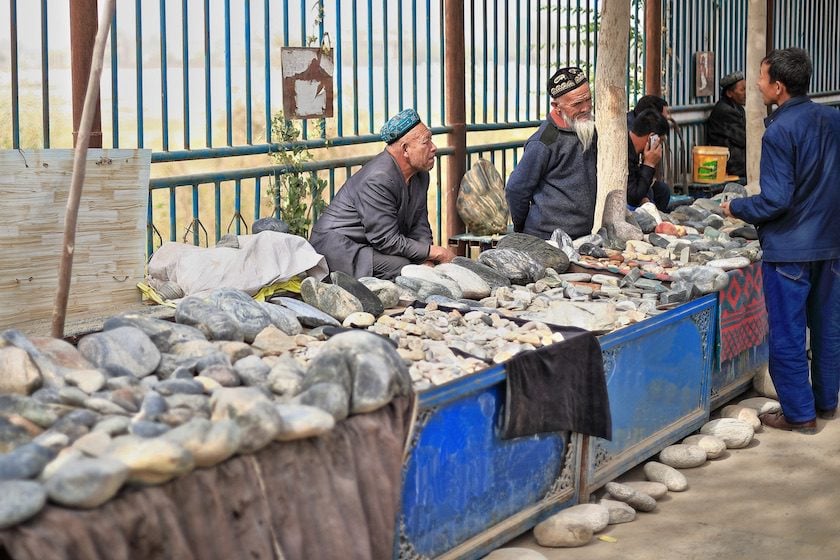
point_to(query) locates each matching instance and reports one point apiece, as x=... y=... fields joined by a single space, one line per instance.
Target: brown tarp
x=334 y=496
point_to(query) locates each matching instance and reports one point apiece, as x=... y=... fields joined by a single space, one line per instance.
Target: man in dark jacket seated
x=644 y=151
x=378 y=221
x=727 y=124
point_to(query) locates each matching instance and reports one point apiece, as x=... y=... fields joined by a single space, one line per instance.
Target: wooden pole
x=78 y=176
x=82 y=37
x=456 y=115
x=653 y=47
x=755 y=108
x=610 y=111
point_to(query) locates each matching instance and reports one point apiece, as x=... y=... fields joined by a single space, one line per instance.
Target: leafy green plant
x=298 y=194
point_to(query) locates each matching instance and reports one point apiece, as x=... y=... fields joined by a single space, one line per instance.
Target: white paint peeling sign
x=307 y=82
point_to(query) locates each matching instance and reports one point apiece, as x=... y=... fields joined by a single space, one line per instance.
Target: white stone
x=472 y=285
x=594 y=516
x=655 y=490
x=730 y=263
x=515 y=554
x=681 y=456
x=563 y=534
x=734 y=433
x=673 y=479
x=714 y=446
x=298 y=421
x=762 y=404
x=358 y=319
x=20 y=375
x=763 y=384
x=88 y=380
x=636 y=500
x=744 y=413
x=620 y=512
x=427 y=273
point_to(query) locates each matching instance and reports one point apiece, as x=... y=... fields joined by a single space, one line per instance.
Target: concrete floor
x=777 y=498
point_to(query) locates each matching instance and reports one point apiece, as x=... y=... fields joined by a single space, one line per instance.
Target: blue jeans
x=796 y=295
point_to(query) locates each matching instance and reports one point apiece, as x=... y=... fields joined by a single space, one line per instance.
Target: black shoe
x=827 y=414
x=777 y=420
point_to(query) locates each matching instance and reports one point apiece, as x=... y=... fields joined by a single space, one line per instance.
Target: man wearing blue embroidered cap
x=554 y=185
x=378 y=221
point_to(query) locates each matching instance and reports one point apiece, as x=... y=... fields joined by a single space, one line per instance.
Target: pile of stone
x=620 y=501
x=147 y=400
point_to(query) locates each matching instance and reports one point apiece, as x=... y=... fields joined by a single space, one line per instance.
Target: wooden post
x=653 y=47
x=78 y=177
x=755 y=108
x=82 y=36
x=610 y=111
x=456 y=115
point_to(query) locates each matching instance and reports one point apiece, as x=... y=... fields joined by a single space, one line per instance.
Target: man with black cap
x=554 y=185
x=727 y=124
x=378 y=221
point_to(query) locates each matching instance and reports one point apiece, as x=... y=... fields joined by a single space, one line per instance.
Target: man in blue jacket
x=797 y=215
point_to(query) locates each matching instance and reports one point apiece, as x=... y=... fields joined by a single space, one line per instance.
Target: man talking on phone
x=644 y=151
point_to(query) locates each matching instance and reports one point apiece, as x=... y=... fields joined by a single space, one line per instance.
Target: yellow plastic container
x=709 y=164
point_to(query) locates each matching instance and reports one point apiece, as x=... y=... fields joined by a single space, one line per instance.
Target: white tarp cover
x=262 y=259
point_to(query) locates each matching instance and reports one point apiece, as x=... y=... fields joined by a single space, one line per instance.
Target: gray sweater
x=554 y=185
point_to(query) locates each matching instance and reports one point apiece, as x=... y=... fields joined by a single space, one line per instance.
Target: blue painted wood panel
x=460 y=478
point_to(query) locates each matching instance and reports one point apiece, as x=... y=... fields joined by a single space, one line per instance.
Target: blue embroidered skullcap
x=398 y=125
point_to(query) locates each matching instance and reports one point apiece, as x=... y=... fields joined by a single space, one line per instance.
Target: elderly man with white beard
x=554 y=184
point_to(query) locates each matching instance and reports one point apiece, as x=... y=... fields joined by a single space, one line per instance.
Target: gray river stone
x=86 y=483
x=330 y=397
x=734 y=433
x=655 y=490
x=519 y=267
x=229 y=240
x=428 y=274
x=729 y=263
x=47 y=395
x=713 y=220
x=286 y=377
x=371 y=363
x=564 y=243
x=121 y=351
x=113 y=425
x=51 y=371
x=308 y=315
x=369 y=300
x=22 y=499
x=385 y=290
x=707 y=279
x=214 y=323
x=252 y=371
x=225 y=376
x=619 y=512
x=422 y=289
x=673 y=479
x=647 y=223
x=745 y=232
x=269 y=223
x=185 y=386
x=210 y=443
x=486 y=273
x=252 y=411
x=682 y=456
x=472 y=285
x=164 y=334
x=543 y=253
x=11 y=435
x=594 y=516
x=762 y=404
x=25 y=461
x=282 y=317
x=298 y=421
x=248 y=314
x=332 y=300
x=44 y=415
x=636 y=500
x=152 y=407
x=145 y=429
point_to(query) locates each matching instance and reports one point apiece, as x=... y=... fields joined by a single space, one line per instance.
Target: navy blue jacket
x=797 y=213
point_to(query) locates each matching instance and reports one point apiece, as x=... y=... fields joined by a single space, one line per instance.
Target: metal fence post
x=83 y=14
x=455 y=84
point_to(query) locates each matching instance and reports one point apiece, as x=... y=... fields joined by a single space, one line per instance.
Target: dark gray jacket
x=554 y=185
x=375 y=211
x=727 y=127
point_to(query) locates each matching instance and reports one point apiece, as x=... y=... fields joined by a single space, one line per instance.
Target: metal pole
x=653 y=47
x=82 y=35
x=456 y=117
x=89 y=109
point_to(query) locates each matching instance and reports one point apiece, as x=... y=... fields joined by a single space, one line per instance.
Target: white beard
x=585 y=131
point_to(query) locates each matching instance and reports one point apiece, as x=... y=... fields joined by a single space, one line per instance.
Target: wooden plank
x=109 y=257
